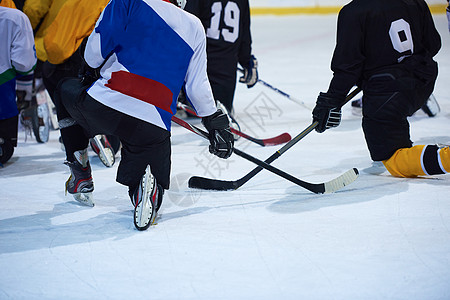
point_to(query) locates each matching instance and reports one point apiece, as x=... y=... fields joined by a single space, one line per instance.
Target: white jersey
x=153 y=49
x=17 y=56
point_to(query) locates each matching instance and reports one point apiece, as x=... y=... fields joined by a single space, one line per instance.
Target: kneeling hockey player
x=141 y=53
x=387 y=48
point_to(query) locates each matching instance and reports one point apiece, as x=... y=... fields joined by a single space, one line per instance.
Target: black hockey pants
x=390 y=96
x=142 y=143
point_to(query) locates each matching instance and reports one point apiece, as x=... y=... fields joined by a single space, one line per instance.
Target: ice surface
x=379 y=238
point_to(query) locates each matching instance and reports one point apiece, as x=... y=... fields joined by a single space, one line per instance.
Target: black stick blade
x=203 y=183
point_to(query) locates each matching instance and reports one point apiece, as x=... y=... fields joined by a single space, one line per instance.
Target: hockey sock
x=419 y=160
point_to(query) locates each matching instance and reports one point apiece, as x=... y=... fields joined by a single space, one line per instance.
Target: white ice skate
x=145 y=200
x=104 y=150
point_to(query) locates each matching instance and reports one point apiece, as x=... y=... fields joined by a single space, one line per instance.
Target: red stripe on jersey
x=142 y=88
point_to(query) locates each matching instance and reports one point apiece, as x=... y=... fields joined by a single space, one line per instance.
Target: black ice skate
x=146 y=200
x=80 y=183
x=104 y=150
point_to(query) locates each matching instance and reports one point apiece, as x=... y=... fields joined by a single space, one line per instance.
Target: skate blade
x=144 y=214
x=107 y=157
x=106 y=154
x=84 y=198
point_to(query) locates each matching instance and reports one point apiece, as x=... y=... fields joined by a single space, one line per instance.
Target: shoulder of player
x=192 y=25
x=192 y=18
x=13 y=15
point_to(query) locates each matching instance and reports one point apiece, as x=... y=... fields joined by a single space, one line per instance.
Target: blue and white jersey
x=17 y=56
x=153 y=48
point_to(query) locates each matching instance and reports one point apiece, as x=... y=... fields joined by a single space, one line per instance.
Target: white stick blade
x=341 y=181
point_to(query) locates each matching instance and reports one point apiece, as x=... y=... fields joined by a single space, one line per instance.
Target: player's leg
x=419 y=160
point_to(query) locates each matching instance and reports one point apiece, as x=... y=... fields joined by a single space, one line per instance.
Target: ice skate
x=34 y=116
x=34 y=119
x=42 y=97
x=41 y=127
x=146 y=200
x=26 y=115
x=80 y=183
x=104 y=150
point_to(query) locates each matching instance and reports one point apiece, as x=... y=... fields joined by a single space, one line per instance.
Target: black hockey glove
x=220 y=137
x=327 y=112
x=250 y=77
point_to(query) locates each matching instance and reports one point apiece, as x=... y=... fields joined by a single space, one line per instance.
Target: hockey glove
x=250 y=77
x=220 y=137
x=327 y=112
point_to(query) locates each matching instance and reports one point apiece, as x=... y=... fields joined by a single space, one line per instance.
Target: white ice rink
x=378 y=238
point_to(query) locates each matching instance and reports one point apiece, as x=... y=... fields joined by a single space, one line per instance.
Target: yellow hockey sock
x=419 y=160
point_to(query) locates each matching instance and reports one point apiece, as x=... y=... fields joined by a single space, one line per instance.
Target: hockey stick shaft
x=305 y=132
x=206 y=183
x=261 y=164
x=278 y=153
x=298 y=101
x=279 y=139
x=283 y=149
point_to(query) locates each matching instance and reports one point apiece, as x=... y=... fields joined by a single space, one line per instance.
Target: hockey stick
x=319 y=188
x=223 y=185
x=298 y=101
x=277 y=140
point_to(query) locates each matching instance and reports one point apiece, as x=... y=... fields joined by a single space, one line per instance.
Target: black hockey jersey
x=227 y=27
x=373 y=34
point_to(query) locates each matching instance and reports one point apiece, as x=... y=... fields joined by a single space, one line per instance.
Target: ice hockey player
x=24 y=83
x=140 y=54
x=17 y=57
x=387 y=48
x=62 y=41
x=229 y=42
